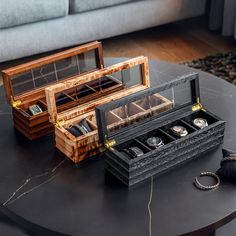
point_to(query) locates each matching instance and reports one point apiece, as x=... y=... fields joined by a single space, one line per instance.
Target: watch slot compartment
x=167 y=128
x=128 y=110
x=132 y=143
x=112 y=118
x=166 y=138
x=65 y=97
x=108 y=82
x=189 y=125
x=200 y=114
x=150 y=102
x=25 y=107
x=87 y=125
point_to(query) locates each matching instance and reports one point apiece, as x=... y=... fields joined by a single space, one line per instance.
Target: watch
x=134 y=151
x=179 y=131
x=155 y=142
x=85 y=124
x=35 y=109
x=82 y=129
x=200 y=123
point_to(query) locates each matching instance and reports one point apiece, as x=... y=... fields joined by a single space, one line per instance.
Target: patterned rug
x=222 y=65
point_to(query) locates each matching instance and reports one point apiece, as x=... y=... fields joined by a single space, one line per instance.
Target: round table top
x=83 y=200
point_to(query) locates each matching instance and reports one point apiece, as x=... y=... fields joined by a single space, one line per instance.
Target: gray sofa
x=30 y=27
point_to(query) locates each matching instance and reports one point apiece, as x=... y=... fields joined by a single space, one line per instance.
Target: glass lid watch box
x=25 y=85
x=76 y=129
x=159 y=139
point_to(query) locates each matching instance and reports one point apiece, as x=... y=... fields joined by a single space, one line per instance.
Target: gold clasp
x=16 y=103
x=198 y=106
x=59 y=123
x=110 y=143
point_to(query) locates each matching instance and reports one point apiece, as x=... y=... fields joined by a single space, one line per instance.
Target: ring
x=207 y=187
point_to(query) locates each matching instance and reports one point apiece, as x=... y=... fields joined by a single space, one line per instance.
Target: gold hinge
x=198 y=106
x=16 y=103
x=110 y=143
x=59 y=123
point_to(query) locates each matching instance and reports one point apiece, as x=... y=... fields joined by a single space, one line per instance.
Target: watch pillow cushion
x=227 y=170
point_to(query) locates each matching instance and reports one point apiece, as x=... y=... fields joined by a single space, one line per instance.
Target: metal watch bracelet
x=207 y=187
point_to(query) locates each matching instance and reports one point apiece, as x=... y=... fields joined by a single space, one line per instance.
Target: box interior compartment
x=150 y=102
x=165 y=133
x=201 y=114
x=167 y=128
x=86 y=92
x=132 y=143
x=127 y=111
x=156 y=133
x=91 y=121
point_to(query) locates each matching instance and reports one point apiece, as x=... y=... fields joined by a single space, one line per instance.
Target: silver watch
x=35 y=109
x=155 y=142
x=179 y=131
x=200 y=123
x=134 y=151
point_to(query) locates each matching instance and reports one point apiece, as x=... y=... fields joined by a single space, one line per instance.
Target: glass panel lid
x=40 y=73
x=83 y=94
x=119 y=118
x=99 y=87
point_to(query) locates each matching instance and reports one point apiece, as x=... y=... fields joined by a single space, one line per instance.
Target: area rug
x=222 y=65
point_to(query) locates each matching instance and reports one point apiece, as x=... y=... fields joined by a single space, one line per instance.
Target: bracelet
x=209 y=187
x=229 y=158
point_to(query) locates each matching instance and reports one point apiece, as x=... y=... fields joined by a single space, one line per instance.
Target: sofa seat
x=18 y=12
x=77 y=6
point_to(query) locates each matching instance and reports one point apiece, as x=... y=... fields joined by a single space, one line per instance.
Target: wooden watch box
x=25 y=85
x=93 y=90
x=161 y=143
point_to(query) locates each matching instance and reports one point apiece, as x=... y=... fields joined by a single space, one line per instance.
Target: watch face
x=134 y=151
x=200 y=123
x=155 y=142
x=35 y=109
x=179 y=131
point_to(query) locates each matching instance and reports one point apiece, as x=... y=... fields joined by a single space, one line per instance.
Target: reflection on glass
x=53 y=72
x=101 y=87
x=149 y=106
x=87 y=92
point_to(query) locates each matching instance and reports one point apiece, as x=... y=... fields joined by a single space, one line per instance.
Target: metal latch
x=110 y=143
x=198 y=106
x=16 y=103
x=60 y=122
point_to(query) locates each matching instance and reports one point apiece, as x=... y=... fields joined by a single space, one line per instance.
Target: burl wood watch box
x=76 y=129
x=162 y=138
x=25 y=85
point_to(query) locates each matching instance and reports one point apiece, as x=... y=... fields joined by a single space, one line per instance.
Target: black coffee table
x=83 y=200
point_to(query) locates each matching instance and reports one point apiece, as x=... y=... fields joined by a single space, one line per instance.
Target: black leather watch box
x=130 y=138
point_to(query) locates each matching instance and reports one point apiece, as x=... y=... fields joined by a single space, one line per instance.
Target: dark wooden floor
x=176 y=42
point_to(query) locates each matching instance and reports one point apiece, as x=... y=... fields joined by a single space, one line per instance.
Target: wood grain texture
x=177 y=42
x=133 y=170
x=80 y=148
x=73 y=83
x=36 y=126
x=38 y=93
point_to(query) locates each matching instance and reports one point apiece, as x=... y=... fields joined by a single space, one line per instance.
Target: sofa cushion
x=77 y=6
x=18 y=12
